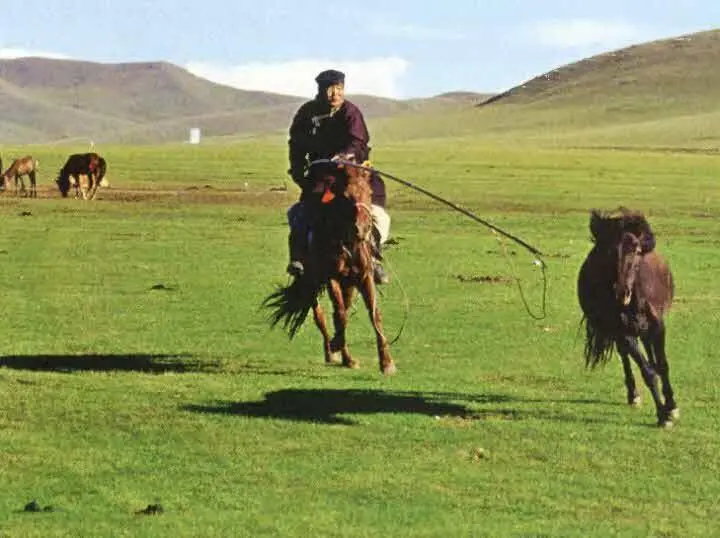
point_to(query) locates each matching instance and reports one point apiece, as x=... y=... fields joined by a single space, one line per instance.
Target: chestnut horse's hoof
x=351 y=363
x=336 y=345
x=389 y=369
x=331 y=360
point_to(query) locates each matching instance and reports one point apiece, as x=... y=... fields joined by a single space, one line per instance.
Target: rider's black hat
x=330 y=77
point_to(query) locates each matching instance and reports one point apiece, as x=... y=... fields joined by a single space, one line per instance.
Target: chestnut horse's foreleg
x=655 y=345
x=367 y=290
x=321 y=323
x=629 y=346
x=340 y=319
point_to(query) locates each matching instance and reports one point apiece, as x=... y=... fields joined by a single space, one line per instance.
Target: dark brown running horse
x=25 y=166
x=624 y=288
x=339 y=261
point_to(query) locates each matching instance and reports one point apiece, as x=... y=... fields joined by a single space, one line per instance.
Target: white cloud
x=376 y=76
x=578 y=33
x=10 y=53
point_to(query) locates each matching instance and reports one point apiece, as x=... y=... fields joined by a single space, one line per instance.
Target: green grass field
x=137 y=367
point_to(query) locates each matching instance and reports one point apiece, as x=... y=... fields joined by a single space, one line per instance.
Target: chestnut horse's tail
x=291 y=304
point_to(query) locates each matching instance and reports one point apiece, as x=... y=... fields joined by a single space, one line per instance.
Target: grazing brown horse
x=339 y=261
x=84 y=172
x=25 y=166
x=624 y=288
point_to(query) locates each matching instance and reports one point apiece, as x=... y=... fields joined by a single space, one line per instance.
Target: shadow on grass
x=130 y=362
x=326 y=406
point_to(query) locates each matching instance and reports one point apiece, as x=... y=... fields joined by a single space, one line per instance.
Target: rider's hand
x=343 y=157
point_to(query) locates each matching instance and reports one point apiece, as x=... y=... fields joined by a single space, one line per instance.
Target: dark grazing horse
x=624 y=288
x=340 y=261
x=25 y=166
x=83 y=171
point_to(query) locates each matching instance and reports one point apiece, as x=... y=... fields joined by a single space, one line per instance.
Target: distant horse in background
x=25 y=166
x=624 y=289
x=84 y=172
x=339 y=260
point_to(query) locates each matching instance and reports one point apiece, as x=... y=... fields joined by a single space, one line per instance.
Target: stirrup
x=295 y=269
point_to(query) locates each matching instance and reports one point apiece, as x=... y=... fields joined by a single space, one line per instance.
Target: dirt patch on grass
x=204 y=194
x=484 y=279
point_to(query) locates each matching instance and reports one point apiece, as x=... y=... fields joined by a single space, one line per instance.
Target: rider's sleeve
x=358 y=136
x=298 y=144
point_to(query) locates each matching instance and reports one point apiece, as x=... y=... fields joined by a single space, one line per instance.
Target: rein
x=495 y=229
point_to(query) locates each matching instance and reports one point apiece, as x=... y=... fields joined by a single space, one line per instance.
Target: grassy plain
x=138 y=368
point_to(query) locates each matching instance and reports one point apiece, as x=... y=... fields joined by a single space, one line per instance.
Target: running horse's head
x=622 y=236
x=345 y=216
x=628 y=259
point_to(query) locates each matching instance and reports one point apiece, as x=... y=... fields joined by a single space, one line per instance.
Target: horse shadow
x=326 y=406
x=123 y=362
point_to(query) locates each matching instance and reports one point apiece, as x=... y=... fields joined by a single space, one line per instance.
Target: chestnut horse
x=25 y=166
x=624 y=289
x=339 y=260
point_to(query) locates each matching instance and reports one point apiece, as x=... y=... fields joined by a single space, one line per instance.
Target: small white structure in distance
x=194 y=135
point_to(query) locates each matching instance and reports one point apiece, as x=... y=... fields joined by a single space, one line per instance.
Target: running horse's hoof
x=350 y=363
x=389 y=369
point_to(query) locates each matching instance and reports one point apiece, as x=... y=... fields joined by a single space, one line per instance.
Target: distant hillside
x=43 y=100
x=680 y=72
x=664 y=92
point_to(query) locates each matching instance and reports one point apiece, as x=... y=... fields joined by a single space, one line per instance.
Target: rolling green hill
x=48 y=100
x=662 y=93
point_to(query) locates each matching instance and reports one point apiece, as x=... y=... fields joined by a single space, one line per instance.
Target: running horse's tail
x=291 y=304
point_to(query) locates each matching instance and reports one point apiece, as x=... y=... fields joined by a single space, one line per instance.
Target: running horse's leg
x=628 y=346
x=321 y=323
x=633 y=396
x=340 y=319
x=654 y=343
x=369 y=295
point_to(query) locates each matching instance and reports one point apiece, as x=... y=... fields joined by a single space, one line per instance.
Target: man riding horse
x=329 y=127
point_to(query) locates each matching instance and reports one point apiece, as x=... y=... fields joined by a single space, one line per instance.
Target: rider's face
x=335 y=95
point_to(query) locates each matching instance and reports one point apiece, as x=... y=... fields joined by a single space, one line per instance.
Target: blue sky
x=397 y=49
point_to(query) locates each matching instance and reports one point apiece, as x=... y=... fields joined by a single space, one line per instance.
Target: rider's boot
x=297 y=243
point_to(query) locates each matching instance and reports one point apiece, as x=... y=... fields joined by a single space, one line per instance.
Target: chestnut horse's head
x=344 y=193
